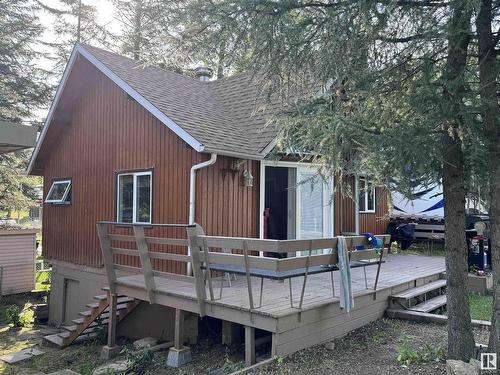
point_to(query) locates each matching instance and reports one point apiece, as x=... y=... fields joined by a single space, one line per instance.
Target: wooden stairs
x=424 y=298
x=91 y=320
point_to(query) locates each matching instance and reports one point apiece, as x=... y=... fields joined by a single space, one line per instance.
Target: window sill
x=366 y=212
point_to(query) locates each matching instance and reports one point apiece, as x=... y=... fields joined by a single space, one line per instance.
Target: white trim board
x=80 y=50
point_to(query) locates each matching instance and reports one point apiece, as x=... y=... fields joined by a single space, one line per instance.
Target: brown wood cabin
x=119 y=144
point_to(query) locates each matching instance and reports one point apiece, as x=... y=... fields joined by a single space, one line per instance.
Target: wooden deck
x=320 y=318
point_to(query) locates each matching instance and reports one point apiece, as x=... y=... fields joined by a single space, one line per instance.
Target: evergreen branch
x=49 y=9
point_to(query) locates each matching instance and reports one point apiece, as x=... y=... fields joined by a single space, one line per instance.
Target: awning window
x=59 y=192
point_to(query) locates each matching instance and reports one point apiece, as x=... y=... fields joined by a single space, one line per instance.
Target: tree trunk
x=488 y=72
x=137 y=30
x=460 y=335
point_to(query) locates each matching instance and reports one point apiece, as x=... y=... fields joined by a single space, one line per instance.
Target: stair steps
x=430 y=305
x=85 y=326
x=424 y=298
x=419 y=290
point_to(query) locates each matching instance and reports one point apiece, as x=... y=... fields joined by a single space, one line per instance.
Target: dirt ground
x=369 y=350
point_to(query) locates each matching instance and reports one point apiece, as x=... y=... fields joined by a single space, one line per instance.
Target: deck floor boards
x=397 y=270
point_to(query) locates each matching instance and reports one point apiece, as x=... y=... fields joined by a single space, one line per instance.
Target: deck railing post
x=106 y=255
x=193 y=242
x=147 y=270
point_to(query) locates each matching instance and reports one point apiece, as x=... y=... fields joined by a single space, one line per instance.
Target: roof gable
x=217 y=116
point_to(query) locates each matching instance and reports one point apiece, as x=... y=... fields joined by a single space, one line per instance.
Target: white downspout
x=192 y=195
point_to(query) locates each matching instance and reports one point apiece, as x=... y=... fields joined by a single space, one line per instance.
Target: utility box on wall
x=17 y=260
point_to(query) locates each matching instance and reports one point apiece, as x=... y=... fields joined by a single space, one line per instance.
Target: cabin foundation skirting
x=73 y=288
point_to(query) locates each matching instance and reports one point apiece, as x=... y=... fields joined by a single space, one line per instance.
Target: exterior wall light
x=247 y=178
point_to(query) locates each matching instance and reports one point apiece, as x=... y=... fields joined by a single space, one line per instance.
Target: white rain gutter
x=192 y=195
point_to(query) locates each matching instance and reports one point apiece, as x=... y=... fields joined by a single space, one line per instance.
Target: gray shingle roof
x=226 y=116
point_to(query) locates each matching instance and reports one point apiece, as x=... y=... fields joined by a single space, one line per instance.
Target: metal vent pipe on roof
x=192 y=196
x=203 y=73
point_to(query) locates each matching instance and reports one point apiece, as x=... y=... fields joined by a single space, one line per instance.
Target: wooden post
x=112 y=320
x=201 y=293
x=111 y=349
x=106 y=255
x=230 y=333
x=274 y=344
x=178 y=355
x=249 y=345
x=147 y=270
x=178 y=331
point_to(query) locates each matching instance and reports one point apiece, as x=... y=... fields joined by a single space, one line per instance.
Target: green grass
x=480 y=306
x=421 y=248
x=40 y=279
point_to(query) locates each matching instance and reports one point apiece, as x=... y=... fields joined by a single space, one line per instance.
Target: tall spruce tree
x=74 y=21
x=167 y=33
x=488 y=47
x=396 y=104
x=23 y=90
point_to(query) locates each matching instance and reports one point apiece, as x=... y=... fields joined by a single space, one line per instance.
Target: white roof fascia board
x=188 y=138
x=78 y=49
x=238 y=155
x=266 y=150
x=53 y=107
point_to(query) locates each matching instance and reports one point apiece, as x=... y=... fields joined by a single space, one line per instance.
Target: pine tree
x=23 y=90
x=141 y=21
x=393 y=98
x=22 y=83
x=167 y=33
x=488 y=15
x=74 y=21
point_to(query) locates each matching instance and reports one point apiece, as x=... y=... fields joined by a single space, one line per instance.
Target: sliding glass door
x=297 y=203
x=315 y=210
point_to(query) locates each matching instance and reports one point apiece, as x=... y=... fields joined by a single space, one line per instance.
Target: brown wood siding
x=345 y=210
x=376 y=222
x=345 y=213
x=107 y=132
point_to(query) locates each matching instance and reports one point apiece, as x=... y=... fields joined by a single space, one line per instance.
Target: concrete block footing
x=178 y=357
x=109 y=352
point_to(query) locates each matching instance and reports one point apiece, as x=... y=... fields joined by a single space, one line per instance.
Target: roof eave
x=234 y=154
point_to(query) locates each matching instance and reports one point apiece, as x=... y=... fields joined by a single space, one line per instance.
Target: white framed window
x=366 y=195
x=134 y=197
x=59 y=192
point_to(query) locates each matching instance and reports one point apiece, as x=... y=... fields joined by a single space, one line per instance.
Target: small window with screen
x=60 y=192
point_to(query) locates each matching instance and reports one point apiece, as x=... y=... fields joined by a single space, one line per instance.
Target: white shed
x=17 y=260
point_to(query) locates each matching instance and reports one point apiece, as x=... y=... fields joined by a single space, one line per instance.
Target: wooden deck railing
x=203 y=255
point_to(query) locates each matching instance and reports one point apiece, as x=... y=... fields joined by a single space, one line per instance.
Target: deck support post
x=111 y=349
x=274 y=344
x=230 y=333
x=178 y=355
x=249 y=345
